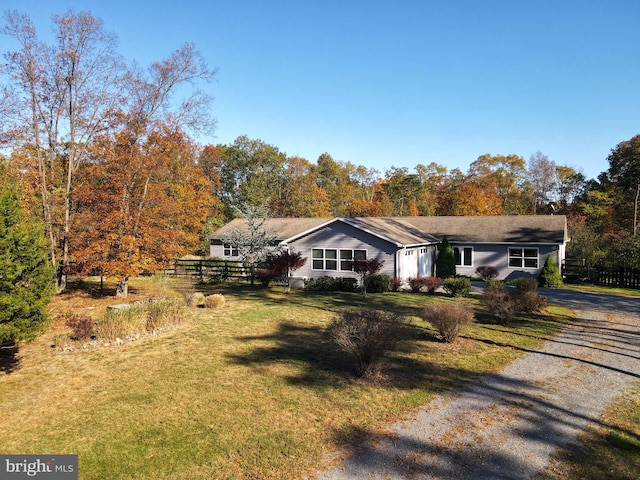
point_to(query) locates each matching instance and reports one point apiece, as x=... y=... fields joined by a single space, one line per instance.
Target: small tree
x=285 y=263
x=446 y=261
x=550 y=275
x=26 y=279
x=366 y=269
x=253 y=244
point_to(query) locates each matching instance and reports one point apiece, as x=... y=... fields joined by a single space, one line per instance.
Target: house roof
x=408 y=231
x=543 y=229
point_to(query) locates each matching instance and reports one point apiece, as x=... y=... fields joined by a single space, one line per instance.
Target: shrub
x=447 y=318
x=457 y=286
x=415 y=283
x=531 y=302
x=214 y=301
x=524 y=284
x=500 y=304
x=487 y=272
x=265 y=276
x=396 y=283
x=446 y=260
x=493 y=284
x=331 y=284
x=368 y=335
x=81 y=327
x=432 y=284
x=379 y=284
x=550 y=275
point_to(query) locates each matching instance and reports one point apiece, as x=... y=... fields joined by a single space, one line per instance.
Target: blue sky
x=386 y=84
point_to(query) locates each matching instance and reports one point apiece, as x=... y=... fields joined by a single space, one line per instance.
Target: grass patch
x=256 y=389
x=611 y=452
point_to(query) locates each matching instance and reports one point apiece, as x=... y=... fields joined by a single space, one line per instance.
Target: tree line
x=105 y=157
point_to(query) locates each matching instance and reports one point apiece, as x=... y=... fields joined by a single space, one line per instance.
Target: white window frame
x=324 y=259
x=521 y=260
x=461 y=254
x=229 y=251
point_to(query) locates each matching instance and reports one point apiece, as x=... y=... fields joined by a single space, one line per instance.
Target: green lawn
x=254 y=390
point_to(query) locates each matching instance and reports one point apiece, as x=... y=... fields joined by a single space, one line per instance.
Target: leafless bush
x=531 y=302
x=447 y=318
x=81 y=327
x=526 y=284
x=500 y=304
x=368 y=335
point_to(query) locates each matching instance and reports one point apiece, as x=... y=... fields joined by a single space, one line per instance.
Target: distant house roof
x=408 y=231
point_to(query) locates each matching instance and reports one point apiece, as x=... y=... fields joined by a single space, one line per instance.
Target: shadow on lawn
x=322 y=362
x=9 y=359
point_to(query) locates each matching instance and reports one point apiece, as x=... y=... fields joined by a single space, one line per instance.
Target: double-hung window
x=463 y=256
x=523 y=258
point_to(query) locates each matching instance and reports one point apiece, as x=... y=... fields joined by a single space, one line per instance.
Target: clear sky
x=399 y=83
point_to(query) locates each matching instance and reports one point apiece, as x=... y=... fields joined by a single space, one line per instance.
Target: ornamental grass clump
x=447 y=318
x=214 y=301
x=167 y=312
x=368 y=335
x=193 y=298
x=120 y=323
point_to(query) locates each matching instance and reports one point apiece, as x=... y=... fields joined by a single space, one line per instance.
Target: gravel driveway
x=508 y=425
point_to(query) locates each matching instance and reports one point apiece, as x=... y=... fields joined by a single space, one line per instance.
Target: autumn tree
x=503 y=175
x=335 y=178
x=300 y=195
x=64 y=95
x=542 y=180
x=285 y=262
x=365 y=268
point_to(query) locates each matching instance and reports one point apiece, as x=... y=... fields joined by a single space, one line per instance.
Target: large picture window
x=463 y=256
x=523 y=258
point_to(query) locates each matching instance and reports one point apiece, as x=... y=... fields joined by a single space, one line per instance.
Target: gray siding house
x=516 y=245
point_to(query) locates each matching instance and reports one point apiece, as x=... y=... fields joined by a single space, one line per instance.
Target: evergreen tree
x=26 y=280
x=446 y=261
x=550 y=275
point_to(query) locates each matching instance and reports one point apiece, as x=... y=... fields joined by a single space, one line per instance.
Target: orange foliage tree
x=140 y=206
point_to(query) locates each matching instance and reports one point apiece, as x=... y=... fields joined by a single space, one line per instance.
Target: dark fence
x=210 y=269
x=618 y=277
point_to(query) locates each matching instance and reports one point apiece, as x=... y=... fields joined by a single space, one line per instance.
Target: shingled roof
x=405 y=231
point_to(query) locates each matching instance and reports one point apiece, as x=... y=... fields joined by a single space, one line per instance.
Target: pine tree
x=550 y=275
x=26 y=280
x=446 y=261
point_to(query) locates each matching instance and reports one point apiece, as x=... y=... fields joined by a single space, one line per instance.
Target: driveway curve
x=509 y=425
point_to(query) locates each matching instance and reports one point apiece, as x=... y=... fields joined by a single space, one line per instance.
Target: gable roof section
x=413 y=231
x=542 y=229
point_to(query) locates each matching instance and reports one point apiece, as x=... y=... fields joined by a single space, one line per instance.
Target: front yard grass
x=256 y=389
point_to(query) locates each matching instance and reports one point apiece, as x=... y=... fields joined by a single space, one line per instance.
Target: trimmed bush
x=457 y=286
x=379 y=284
x=415 y=283
x=432 y=284
x=550 y=275
x=331 y=284
x=214 y=301
x=447 y=318
x=368 y=335
x=487 y=272
x=396 y=283
x=493 y=284
x=524 y=284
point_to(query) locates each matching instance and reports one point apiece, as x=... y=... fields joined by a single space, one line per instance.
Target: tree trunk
x=122 y=290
